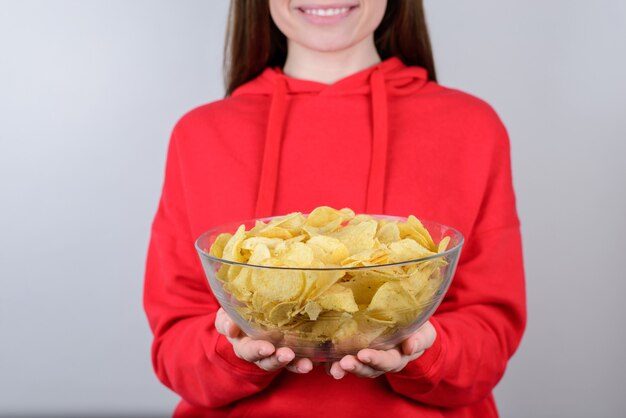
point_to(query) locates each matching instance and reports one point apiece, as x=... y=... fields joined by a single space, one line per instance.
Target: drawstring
x=378 y=162
x=271 y=151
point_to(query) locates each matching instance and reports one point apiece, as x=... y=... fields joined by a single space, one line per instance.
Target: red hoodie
x=383 y=140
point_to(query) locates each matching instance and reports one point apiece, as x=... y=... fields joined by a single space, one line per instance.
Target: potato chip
x=297 y=255
x=357 y=237
x=324 y=215
x=258 y=226
x=258 y=304
x=233 y=272
x=425 y=296
x=417 y=281
x=296 y=238
x=413 y=228
x=371 y=257
x=348 y=213
x=292 y=222
x=443 y=244
x=277 y=285
x=222 y=273
x=240 y=286
x=271 y=231
x=407 y=250
x=359 y=218
x=250 y=243
x=327 y=324
x=369 y=329
x=259 y=254
x=319 y=281
x=328 y=250
x=284 y=227
x=364 y=287
x=232 y=249
x=393 y=303
x=388 y=232
x=347 y=330
x=313 y=310
x=338 y=298
x=281 y=313
x=217 y=249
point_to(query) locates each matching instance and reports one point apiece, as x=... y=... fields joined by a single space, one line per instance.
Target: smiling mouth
x=326 y=14
x=334 y=11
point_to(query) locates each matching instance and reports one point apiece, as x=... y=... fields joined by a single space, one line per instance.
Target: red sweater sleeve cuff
x=228 y=359
x=427 y=365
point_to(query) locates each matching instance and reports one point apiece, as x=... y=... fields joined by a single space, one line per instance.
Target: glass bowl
x=280 y=304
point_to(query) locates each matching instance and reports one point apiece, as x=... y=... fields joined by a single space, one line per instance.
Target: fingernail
x=349 y=366
x=283 y=358
x=366 y=359
x=263 y=352
x=303 y=369
x=414 y=347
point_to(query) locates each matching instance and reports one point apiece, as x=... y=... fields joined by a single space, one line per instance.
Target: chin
x=327 y=45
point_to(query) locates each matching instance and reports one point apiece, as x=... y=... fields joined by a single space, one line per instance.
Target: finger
x=382 y=360
x=327 y=367
x=300 y=366
x=252 y=350
x=220 y=318
x=420 y=340
x=226 y=326
x=232 y=330
x=336 y=371
x=280 y=359
x=352 y=365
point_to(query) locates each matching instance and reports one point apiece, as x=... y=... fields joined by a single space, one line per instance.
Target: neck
x=329 y=67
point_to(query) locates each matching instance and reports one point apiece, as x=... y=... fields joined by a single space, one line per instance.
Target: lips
x=326 y=14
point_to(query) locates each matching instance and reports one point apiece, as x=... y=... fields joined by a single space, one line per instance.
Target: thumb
x=420 y=340
x=232 y=329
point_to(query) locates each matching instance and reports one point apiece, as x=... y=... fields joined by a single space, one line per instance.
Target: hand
x=373 y=363
x=260 y=352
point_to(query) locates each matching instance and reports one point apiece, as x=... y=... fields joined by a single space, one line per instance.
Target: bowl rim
x=449 y=251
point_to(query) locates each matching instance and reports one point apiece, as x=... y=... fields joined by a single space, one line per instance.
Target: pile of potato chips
x=326 y=290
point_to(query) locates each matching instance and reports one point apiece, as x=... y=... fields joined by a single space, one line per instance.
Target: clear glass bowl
x=413 y=291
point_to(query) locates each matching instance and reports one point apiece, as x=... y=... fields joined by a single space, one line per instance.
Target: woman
x=337 y=104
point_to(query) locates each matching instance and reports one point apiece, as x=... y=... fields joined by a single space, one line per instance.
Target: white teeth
x=326 y=12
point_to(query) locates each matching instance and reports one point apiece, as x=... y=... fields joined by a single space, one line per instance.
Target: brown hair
x=253 y=42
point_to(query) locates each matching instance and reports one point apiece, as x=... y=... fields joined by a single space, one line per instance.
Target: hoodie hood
x=388 y=78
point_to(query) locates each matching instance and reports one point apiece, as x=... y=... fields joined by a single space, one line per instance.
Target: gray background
x=89 y=91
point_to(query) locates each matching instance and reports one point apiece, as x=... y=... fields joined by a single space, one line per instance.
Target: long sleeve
x=481 y=320
x=188 y=354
